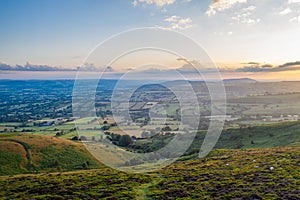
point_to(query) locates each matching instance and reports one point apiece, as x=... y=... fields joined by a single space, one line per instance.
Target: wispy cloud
x=45 y=68
x=245 y=16
x=159 y=3
x=295 y=19
x=285 y=11
x=31 y=67
x=257 y=67
x=253 y=67
x=294 y=1
x=177 y=22
x=220 y=5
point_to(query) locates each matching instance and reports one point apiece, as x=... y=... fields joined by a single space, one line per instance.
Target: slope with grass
x=89 y=184
x=27 y=153
x=233 y=174
x=225 y=174
x=263 y=136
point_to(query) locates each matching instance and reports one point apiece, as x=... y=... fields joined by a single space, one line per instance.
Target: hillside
x=263 y=136
x=32 y=153
x=224 y=174
x=233 y=174
x=27 y=153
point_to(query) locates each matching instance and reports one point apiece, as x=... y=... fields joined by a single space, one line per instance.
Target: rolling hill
x=28 y=153
x=263 y=136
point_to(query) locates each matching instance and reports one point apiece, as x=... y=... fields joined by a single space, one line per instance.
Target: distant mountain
x=240 y=80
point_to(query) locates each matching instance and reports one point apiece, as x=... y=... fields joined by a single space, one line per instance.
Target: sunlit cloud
x=285 y=11
x=221 y=5
x=47 y=68
x=294 y=1
x=257 y=67
x=31 y=67
x=245 y=16
x=177 y=22
x=295 y=19
x=159 y=3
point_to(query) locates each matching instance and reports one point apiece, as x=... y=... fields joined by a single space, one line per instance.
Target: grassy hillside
x=233 y=174
x=37 y=153
x=249 y=163
x=27 y=153
x=88 y=184
x=264 y=136
x=224 y=174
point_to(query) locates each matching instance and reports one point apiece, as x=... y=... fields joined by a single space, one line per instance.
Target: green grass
x=30 y=153
x=224 y=174
x=64 y=158
x=285 y=104
x=10 y=163
x=230 y=174
x=238 y=168
x=90 y=184
x=263 y=136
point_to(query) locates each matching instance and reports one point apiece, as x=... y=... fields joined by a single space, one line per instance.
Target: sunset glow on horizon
x=244 y=38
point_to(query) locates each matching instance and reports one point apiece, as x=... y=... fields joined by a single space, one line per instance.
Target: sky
x=253 y=36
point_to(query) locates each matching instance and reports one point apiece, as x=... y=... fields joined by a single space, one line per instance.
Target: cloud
x=176 y=22
x=159 y=3
x=249 y=8
x=173 y=18
x=294 y=1
x=252 y=63
x=253 y=67
x=45 y=68
x=195 y=68
x=4 y=66
x=257 y=67
x=285 y=11
x=31 y=67
x=91 y=67
x=221 y=5
x=245 y=16
x=295 y=19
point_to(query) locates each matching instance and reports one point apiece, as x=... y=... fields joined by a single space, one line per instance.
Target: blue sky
x=62 y=32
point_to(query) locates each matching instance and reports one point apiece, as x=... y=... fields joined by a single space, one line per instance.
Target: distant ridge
x=240 y=80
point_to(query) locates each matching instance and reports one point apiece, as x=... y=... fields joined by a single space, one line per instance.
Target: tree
x=125 y=140
x=75 y=138
x=105 y=128
x=166 y=128
x=58 y=134
x=83 y=138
